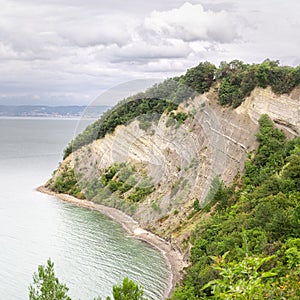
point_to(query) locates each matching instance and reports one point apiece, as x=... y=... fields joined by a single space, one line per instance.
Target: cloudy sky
x=70 y=51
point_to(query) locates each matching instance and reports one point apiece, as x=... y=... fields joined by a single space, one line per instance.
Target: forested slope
x=249 y=246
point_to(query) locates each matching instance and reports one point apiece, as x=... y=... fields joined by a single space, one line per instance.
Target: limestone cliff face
x=283 y=109
x=182 y=161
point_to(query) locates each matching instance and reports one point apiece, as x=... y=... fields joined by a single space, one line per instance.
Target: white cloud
x=191 y=23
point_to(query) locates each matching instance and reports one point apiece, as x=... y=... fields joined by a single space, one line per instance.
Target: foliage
x=123 y=113
x=122 y=179
x=196 y=205
x=237 y=79
x=243 y=279
x=178 y=118
x=252 y=278
x=127 y=291
x=270 y=153
x=257 y=225
x=200 y=78
x=67 y=183
x=214 y=194
x=139 y=193
x=46 y=285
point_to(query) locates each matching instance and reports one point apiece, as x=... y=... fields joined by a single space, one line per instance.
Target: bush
x=67 y=183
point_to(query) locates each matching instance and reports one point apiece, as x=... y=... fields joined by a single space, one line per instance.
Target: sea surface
x=90 y=251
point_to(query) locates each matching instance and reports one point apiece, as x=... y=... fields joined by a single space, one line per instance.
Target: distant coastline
x=59 y=112
x=66 y=118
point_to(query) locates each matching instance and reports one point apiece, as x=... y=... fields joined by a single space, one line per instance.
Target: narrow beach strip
x=173 y=257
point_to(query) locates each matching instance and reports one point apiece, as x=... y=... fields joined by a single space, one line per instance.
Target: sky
x=66 y=52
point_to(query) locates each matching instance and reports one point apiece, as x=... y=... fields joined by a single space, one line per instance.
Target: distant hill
x=52 y=111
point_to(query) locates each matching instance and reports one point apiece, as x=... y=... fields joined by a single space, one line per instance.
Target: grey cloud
x=73 y=49
x=85 y=34
x=218 y=6
x=128 y=7
x=142 y=50
x=167 y=67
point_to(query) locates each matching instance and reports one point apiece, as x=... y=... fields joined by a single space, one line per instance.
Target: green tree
x=46 y=285
x=263 y=73
x=128 y=290
x=228 y=92
x=200 y=78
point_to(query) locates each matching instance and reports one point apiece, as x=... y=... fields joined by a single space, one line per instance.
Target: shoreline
x=173 y=257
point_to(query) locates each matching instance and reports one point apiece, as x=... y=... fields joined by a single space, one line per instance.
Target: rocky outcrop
x=283 y=109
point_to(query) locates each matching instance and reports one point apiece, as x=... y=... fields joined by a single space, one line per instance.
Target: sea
x=90 y=252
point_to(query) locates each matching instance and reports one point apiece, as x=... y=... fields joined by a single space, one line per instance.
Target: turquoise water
x=90 y=251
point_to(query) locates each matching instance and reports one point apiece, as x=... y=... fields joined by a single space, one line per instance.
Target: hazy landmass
x=52 y=111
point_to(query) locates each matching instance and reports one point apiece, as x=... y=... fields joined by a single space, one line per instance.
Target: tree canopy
x=236 y=81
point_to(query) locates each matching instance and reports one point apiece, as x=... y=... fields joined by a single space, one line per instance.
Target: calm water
x=90 y=251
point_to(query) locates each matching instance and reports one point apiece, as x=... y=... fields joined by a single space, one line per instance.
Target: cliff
x=157 y=174
x=284 y=109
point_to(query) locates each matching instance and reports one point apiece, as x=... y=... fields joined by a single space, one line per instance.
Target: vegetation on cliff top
x=249 y=248
x=236 y=81
x=121 y=114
